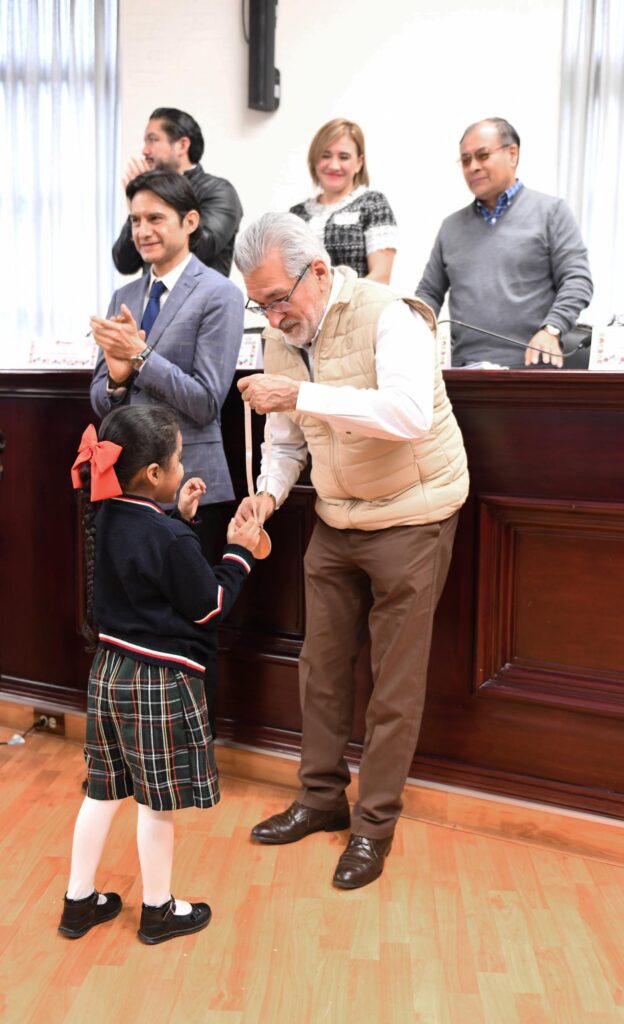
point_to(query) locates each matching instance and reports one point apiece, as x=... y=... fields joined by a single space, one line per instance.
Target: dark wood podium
x=526 y=681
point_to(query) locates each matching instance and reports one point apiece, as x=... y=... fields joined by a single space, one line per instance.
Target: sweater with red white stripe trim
x=156 y=598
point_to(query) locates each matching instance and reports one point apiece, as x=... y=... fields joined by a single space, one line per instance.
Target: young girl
x=157 y=604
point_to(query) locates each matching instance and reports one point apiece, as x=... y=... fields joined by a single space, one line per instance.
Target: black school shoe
x=79 y=916
x=161 y=923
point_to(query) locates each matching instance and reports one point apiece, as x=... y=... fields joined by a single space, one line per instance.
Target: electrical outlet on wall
x=49 y=721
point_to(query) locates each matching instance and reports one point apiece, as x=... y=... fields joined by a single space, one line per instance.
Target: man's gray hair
x=289 y=235
x=506 y=131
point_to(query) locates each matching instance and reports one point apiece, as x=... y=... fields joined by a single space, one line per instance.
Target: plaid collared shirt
x=491 y=216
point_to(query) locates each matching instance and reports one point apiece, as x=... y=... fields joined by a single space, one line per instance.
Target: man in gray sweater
x=514 y=260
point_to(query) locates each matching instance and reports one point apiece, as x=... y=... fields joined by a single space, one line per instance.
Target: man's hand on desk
x=269 y=392
x=549 y=349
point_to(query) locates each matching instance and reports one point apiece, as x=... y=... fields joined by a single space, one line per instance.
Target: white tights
x=154 y=842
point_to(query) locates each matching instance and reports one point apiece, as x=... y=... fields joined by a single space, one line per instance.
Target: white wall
x=413 y=75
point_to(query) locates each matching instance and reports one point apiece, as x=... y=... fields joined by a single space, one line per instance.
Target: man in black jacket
x=174 y=142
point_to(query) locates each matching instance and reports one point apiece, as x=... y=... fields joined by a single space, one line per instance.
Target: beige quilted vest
x=369 y=483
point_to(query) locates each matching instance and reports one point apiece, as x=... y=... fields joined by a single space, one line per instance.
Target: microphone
x=583 y=343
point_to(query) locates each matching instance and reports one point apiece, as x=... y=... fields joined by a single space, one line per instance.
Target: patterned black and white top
x=361 y=223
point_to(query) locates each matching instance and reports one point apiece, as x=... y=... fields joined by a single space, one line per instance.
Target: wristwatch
x=116 y=391
x=556 y=333
x=138 y=360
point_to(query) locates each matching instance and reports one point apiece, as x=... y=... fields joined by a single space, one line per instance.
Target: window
x=58 y=172
x=592 y=141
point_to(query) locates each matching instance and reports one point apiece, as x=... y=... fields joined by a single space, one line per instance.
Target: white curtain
x=591 y=144
x=58 y=172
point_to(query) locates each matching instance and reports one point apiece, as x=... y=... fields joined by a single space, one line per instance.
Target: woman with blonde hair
x=355 y=223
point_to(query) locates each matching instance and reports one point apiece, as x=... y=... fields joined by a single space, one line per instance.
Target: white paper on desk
x=62 y=353
x=14 y=356
x=482 y=365
x=607 y=349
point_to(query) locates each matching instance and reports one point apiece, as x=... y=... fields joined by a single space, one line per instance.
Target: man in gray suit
x=185 y=351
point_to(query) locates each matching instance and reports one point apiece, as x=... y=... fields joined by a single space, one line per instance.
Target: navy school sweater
x=156 y=598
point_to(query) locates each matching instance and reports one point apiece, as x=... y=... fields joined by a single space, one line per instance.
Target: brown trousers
x=389 y=581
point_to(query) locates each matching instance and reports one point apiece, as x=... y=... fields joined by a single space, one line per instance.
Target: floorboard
x=462 y=928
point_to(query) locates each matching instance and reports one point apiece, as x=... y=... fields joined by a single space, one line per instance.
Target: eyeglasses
x=480 y=155
x=281 y=303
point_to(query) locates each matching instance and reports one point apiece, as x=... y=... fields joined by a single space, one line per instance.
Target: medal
x=263 y=547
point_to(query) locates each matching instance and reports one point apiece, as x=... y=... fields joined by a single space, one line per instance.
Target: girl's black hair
x=147 y=434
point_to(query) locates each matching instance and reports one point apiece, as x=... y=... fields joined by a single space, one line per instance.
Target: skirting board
x=447 y=806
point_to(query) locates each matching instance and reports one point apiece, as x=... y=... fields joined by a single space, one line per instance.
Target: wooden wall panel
x=551 y=603
x=42 y=416
x=525 y=691
x=270 y=612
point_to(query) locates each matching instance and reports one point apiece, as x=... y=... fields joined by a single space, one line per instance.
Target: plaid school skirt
x=148 y=735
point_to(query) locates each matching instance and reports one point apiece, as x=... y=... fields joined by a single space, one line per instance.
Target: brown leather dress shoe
x=298 y=821
x=362 y=862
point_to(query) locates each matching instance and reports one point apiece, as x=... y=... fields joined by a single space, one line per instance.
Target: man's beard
x=299 y=335
x=305 y=329
x=302 y=334
x=164 y=165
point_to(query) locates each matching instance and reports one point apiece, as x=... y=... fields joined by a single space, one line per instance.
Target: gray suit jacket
x=196 y=338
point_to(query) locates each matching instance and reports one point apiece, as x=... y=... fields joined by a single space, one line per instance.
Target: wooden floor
x=461 y=928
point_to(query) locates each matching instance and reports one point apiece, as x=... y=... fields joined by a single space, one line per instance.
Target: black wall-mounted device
x=264 y=78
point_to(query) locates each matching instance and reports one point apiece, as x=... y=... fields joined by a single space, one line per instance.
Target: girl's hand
x=188 y=498
x=246 y=535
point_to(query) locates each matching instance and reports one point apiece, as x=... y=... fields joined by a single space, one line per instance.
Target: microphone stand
x=584 y=343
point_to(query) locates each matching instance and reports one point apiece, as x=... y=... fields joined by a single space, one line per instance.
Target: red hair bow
x=102 y=455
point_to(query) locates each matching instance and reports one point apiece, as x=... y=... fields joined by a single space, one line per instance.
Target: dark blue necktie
x=153 y=307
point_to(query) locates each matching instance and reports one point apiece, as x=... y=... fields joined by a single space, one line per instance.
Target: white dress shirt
x=169 y=280
x=399 y=408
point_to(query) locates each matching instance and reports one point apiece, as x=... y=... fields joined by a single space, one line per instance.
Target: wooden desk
x=526 y=681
